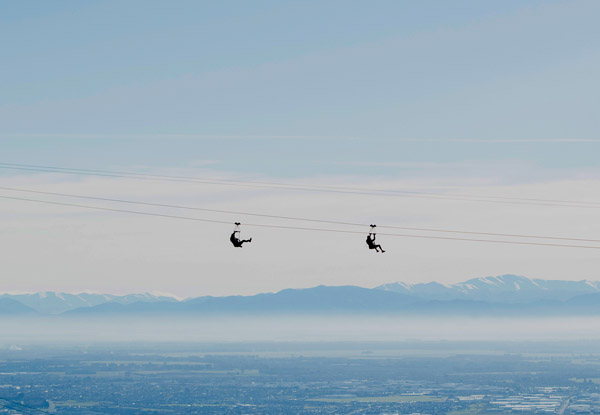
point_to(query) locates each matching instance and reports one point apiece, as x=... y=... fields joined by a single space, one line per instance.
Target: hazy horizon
x=91 y=330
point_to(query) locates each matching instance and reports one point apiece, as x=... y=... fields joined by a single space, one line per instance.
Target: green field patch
x=252 y=372
x=199 y=405
x=145 y=362
x=384 y=399
x=145 y=409
x=476 y=409
x=76 y=404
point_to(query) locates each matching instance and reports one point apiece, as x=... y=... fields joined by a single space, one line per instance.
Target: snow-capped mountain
x=56 y=303
x=504 y=288
x=501 y=295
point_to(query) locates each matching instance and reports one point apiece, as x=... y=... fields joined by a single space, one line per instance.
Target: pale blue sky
x=495 y=98
x=356 y=78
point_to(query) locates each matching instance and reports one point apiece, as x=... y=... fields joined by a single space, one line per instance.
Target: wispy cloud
x=498 y=140
x=201 y=136
x=167 y=136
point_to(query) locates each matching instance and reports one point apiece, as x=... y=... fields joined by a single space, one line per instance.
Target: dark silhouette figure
x=372 y=244
x=237 y=242
x=371 y=240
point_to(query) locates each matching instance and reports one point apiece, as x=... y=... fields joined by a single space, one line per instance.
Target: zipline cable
x=297 y=184
x=300 y=187
x=292 y=217
x=298 y=227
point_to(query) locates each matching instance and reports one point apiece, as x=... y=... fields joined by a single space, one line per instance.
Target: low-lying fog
x=52 y=330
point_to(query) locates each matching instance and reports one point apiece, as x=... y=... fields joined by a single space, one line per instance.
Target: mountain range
x=56 y=303
x=501 y=295
x=505 y=288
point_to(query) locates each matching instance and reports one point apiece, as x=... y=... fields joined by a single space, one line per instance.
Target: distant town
x=308 y=378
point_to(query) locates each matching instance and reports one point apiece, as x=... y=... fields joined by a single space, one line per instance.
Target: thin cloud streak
x=298 y=137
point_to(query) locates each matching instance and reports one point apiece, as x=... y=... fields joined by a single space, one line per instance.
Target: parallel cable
x=298 y=227
x=298 y=185
x=303 y=187
x=292 y=217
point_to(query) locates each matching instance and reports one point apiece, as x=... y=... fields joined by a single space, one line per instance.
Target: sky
x=496 y=98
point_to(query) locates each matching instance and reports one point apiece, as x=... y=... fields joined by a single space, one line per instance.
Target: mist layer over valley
x=90 y=330
x=499 y=308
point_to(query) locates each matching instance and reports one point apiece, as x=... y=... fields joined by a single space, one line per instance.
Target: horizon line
x=180 y=298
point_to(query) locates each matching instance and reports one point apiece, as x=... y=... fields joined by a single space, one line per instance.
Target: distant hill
x=8 y=306
x=503 y=296
x=317 y=300
x=346 y=300
x=503 y=289
x=56 y=303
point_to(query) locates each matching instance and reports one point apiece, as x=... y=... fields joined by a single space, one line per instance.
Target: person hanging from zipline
x=235 y=240
x=371 y=240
